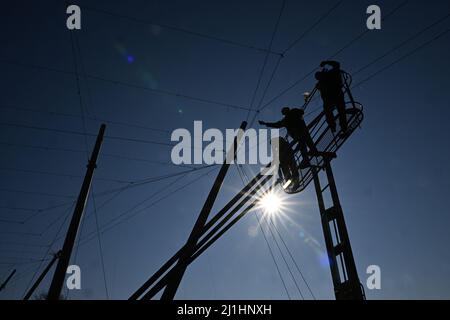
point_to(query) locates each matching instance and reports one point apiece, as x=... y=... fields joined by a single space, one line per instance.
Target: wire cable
x=130 y=213
x=390 y=51
x=292 y=258
x=284 y=259
x=408 y=54
x=146 y=181
x=266 y=58
x=238 y=167
x=314 y=25
x=79 y=133
x=92 y=118
x=114 y=156
x=75 y=46
x=403 y=43
x=294 y=43
x=65 y=175
x=125 y=84
x=36 y=193
x=178 y=29
x=346 y=46
x=46 y=253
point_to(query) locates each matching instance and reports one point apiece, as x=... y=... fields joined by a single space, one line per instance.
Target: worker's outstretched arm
x=334 y=64
x=275 y=125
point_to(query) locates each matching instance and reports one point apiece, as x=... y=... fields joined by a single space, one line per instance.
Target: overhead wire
x=346 y=46
x=92 y=118
x=57 y=174
x=109 y=155
x=244 y=175
x=125 y=84
x=292 y=257
x=442 y=35
x=284 y=259
x=285 y=51
x=178 y=29
x=408 y=54
x=392 y=50
x=132 y=184
x=47 y=252
x=238 y=167
x=398 y=60
x=74 y=47
x=401 y=44
x=132 y=212
x=37 y=193
x=79 y=133
x=312 y=27
x=269 y=222
x=145 y=181
x=266 y=58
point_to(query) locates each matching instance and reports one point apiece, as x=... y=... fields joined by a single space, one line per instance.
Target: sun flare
x=271 y=203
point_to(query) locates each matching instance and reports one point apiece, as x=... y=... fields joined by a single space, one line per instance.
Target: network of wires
x=35 y=247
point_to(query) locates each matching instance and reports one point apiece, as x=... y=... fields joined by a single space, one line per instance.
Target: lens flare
x=271 y=203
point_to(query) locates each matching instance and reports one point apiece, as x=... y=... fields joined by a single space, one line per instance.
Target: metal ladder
x=342 y=264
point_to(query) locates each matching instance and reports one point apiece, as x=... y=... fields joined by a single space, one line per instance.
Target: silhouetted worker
x=287 y=164
x=298 y=130
x=330 y=86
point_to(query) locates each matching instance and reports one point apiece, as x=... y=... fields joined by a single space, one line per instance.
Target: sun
x=271 y=203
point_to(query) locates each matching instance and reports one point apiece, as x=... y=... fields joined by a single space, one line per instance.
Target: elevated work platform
x=324 y=139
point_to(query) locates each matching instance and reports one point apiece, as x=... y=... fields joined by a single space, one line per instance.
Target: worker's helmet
x=285 y=110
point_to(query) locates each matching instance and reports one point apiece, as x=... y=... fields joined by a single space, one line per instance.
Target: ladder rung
x=339 y=248
x=330 y=213
x=325 y=188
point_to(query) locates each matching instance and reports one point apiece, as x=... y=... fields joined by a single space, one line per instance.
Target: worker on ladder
x=297 y=129
x=330 y=86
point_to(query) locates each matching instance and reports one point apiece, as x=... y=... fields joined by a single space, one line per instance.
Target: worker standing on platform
x=298 y=130
x=287 y=165
x=330 y=86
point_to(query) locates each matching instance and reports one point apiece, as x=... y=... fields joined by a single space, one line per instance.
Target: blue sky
x=392 y=174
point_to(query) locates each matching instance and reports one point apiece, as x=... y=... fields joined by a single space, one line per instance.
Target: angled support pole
x=188 y=249
x=42 y=276
x=217 y=231
x=3 y=286
x=63 y=262
x=258 y=180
